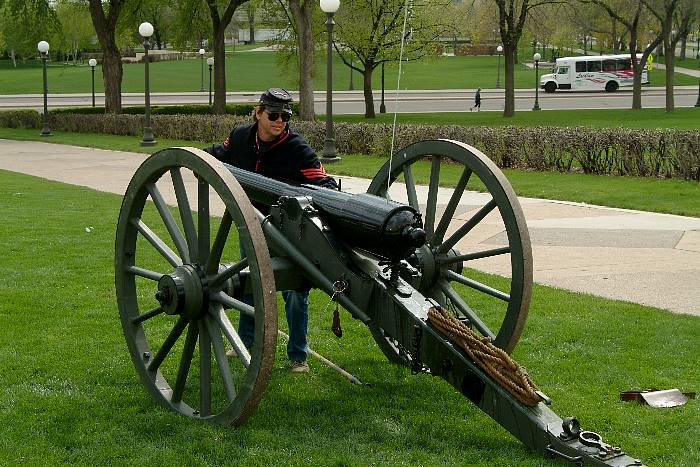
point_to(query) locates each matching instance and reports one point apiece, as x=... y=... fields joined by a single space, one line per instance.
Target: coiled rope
x=493 y=360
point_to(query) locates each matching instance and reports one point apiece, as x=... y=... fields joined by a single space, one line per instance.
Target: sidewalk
x=647 y=258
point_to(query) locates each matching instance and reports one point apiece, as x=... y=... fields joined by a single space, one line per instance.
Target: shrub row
x=187 y=109
x=609 y=151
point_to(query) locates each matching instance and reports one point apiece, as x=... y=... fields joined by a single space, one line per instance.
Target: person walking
x=477 y=101
x=269 y=147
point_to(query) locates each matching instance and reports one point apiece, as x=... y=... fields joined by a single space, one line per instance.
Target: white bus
x=592 y=73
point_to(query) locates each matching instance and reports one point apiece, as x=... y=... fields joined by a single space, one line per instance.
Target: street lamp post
x=697 y=104
x=329 y=154
x=382 y=107
x=537 y=58
x=210 y=62
x=201 y=55
x=499 y=49
x=43 y=48
x=146 y=31
x=92 y=62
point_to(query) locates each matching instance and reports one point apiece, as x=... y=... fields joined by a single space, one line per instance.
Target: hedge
x=610 y=151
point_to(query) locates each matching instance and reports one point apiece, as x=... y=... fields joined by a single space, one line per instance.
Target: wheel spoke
x=230 y=302
x=234 y=339
x=476 y=255
x=410 y=188
x=168 y=343
x=431 y=206
x=185 y=361
x=204 y=220
x=169 y=221
x=148 y=274
x=204 y=371
x=452 y=206
x=220 y=241
x=477 y=286
x=454 y=297
x=157 y=243
x=183 y=204
x=147 y=315
x=464 y=230
x=221 y=359
x=228 y=273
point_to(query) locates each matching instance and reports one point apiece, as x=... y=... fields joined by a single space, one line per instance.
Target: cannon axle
x=183 y=291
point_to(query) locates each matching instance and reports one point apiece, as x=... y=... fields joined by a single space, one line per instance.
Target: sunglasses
x=273 y=116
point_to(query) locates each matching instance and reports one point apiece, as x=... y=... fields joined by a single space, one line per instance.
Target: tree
x=105 y=23
x=192 y=23
x=250 y=10
x=630 y=14
x=302 y=13
x=664 y=11
x=300 y=36
x=688 y=12
x=372 y=32
x=160 y=13
x=76 y=27
x=24 y=24
x=511 y=20
x=220 y=13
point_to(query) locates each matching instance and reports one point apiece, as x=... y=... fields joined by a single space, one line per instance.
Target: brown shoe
x=298 y=366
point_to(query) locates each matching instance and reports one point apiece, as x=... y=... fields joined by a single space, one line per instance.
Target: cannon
x=402 y=269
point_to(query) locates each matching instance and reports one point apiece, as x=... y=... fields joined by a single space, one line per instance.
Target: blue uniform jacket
x=289 y=158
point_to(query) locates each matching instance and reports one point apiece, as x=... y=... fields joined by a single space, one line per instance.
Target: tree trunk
x=684 y=43
x=112 y=72
x=636 y=81
x=112 y=77
x=668 y=47
x=367 y=88
x=251 y=25
x=613 y=34
x=219 y=24
x=219 y=73
x=303 y=16
x=508 y=55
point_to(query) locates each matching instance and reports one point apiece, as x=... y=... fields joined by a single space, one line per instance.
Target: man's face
x=268 y=129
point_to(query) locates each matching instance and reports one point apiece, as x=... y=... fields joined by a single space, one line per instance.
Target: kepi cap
x=276 y=100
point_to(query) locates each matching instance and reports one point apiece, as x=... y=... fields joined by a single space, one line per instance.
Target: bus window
x=608 y=65
x=563 y=70
x=580 y=66
x=593 y=66
x=623 y=64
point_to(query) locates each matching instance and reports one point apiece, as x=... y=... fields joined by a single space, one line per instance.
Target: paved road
x=352 y=102
x=647 y=258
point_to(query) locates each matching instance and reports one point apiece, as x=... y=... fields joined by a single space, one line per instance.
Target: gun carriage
x=182 y=282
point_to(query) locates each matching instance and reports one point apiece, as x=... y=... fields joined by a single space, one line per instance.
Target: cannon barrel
x=387 y=229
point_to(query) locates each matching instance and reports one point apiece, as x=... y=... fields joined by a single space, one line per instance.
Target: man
x=268 y=147
x=477 y=101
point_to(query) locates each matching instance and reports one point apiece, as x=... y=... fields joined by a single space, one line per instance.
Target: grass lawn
x=648 y=194
x=70 y=394
x=253 y=71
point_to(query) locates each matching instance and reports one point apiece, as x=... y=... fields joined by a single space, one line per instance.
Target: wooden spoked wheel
x=180 y=302
x=488 y=226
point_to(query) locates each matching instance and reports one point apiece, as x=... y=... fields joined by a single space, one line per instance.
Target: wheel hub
x=429 y=263
x=183 y=292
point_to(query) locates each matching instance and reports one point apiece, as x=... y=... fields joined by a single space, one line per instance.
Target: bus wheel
x=550 y=87
x=611 y=86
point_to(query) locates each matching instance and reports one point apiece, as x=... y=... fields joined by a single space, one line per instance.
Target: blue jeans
x=296 y=306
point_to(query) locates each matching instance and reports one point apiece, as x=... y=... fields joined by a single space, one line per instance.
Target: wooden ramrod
x=387 y=263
